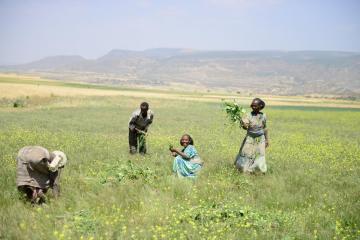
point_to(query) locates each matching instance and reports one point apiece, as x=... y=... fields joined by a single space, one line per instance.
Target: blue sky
x=32 y=29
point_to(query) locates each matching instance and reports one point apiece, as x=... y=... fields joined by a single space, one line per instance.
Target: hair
x=144 y=104
x=261 y=103
x=191 y=141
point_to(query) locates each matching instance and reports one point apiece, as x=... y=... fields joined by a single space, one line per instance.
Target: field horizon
x=15 y=86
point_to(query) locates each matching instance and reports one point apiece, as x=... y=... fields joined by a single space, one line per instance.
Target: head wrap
x=59 y=160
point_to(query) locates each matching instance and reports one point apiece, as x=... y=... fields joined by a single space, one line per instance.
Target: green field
x=311 y=191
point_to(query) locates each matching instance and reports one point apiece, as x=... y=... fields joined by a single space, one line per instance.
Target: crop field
x=311 y=190
x=14 y=86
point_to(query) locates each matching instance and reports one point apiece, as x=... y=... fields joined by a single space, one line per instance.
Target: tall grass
x=311 y=190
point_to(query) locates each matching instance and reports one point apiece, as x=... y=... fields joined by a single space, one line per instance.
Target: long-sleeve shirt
x=139 y=122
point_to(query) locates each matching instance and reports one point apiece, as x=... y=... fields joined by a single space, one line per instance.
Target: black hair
x=191 y=141
x=261 y=102
x=144 y=104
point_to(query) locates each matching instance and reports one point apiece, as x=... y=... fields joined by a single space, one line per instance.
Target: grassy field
x=311 y=191
x=19 y=87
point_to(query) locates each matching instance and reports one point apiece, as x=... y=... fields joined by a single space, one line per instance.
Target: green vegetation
x=19 y=103
x=311 y=190
x=234 y=111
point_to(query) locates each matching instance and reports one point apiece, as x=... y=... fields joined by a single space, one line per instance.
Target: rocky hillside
x=272 y=72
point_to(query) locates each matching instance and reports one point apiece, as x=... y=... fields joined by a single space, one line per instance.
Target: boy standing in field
x=139 y=123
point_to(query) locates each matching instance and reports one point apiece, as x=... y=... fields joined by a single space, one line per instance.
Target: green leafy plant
x=142 y=139
x=234 y=111
x=120 y=172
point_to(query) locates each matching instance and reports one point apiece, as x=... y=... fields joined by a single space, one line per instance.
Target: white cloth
x=59 y=161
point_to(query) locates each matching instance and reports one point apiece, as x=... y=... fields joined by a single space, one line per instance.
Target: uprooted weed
x=120 y=172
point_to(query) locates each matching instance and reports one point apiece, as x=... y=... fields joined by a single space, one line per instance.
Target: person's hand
x=174 y=150
x=132 y=127
x=52 y=168
x=141 y=131
x=244 y=125
x=267 y=143
x=173 y=154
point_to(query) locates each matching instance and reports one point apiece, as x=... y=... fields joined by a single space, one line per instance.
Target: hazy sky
x=32 y=29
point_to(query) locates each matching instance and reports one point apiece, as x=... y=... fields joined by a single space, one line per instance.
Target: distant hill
x=270 y=72
x=53 y=63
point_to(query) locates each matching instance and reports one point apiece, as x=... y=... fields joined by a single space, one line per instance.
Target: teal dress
x=187 y=167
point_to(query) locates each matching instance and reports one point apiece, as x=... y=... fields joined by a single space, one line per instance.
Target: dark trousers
x=31 y=193
x=137 y=140
x=54 y=182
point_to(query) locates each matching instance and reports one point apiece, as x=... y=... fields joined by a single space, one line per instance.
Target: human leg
x=55 y=182
x=259 y=162
x=26 y=191
x=132 y=141
x=246 y=156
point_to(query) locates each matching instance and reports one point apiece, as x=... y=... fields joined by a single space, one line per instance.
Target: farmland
x=311 y=190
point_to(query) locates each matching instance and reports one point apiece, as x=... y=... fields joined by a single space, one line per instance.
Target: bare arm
x=141 y=131
x=244 y=123
x=149 y=121
x=267 y=141
x=245 y=127
x=132 y=123
x=178 y=152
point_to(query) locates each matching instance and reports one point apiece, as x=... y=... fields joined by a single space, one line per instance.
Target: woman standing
x=251 y=156
x=187 y=162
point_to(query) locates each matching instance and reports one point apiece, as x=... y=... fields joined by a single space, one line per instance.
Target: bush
x=19 y=103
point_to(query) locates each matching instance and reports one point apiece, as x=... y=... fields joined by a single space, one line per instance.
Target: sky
x=33 y=29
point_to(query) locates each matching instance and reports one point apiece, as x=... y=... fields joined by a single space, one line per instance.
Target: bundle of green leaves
x=234 y=111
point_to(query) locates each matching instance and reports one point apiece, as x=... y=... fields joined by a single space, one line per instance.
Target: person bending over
x=37 y=171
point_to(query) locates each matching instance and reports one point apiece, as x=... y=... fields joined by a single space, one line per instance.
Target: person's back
x=38 y=170
x=32 y=169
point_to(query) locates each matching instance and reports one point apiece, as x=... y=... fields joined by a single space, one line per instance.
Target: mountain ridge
x=273 y=72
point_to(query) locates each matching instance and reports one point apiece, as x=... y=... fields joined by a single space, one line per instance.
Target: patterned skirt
x=251 y=156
